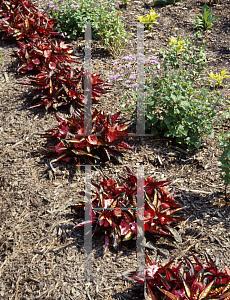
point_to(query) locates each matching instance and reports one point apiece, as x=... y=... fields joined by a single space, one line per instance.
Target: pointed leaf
x=169 y=295
x=206 y=291
x=175 y=233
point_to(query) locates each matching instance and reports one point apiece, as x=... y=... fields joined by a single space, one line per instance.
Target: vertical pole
x=88 y=226
x=87 y=81
x=140 y=249
x=140 y=80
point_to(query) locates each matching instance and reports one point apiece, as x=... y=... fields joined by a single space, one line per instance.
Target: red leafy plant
x=63 y=85
x=191 y=281
x=104 y=142
x=43 y=54
x=23 y=21
x=114 y=208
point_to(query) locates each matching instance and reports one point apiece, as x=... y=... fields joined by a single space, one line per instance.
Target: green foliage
x=205 y=21
x=224 y=143
x=149 y=19
x=105 y=19
x=178 y=105
x=165 y=2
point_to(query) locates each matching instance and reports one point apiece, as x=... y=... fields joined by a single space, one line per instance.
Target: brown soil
x=41 y=257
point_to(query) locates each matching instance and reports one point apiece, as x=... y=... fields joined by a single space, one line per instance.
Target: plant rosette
x=63 y=85
x=43 y=55
x=23 y=21
x=104 y=142
x=114 y=209
x=206 y=20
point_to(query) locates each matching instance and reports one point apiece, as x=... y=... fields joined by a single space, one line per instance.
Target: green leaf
x=168 y=120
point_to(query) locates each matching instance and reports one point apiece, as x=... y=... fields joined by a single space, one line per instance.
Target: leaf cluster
x=149 y=19
x=70 y=141
x=23 y=21
x=216 y=79
x=205 y=21
x=115 y=208
x=62 y=85
x=43 y=54
x=186 y=281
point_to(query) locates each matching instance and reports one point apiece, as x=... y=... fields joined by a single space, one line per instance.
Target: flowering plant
x=125 y=79
x=176 y=107
x=217 y=78
x=177 y=43
x=149 y=19
x=106 y=21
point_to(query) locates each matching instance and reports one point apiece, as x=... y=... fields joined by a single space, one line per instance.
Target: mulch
x=41 y=257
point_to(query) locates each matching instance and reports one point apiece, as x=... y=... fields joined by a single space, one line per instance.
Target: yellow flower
x=151 y=18
x=179 y=43
x=217 y=78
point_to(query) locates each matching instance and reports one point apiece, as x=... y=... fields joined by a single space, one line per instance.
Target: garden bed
x=41 y=257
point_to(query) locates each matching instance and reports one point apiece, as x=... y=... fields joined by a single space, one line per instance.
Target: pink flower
x=133 y=76
x=134 y=85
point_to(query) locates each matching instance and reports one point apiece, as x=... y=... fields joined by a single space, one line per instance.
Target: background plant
x=205 y=21
x=106 y=22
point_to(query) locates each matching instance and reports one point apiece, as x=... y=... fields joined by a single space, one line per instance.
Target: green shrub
x=106 y=22
x=179 y=103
